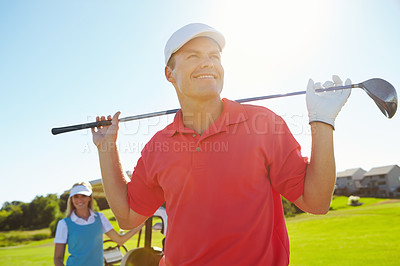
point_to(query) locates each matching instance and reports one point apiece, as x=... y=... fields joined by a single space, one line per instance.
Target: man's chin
x=209 y=96
x=210 y=91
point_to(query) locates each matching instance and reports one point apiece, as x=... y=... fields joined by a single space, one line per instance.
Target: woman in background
x=83 y=230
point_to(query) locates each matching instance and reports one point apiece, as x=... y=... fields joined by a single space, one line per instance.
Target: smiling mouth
x=206 y=76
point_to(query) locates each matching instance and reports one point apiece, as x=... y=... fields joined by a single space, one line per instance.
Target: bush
x=14 y=238
x=53 y=225
x=102 y=203
x=37 y=237
x=354 y=201
x=95 y=205
x=289 y=208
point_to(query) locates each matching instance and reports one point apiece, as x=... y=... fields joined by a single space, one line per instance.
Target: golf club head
x=383 y=93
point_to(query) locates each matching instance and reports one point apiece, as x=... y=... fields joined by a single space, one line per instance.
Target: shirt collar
x=76 y=218
x=233 y=113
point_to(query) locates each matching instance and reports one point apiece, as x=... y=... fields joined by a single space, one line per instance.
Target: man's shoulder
x=166 y=132
x=247 y=109
x=257 y=110
x=162 y=136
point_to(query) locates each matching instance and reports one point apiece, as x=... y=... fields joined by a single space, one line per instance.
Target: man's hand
x=325 y=106
x=103 y=137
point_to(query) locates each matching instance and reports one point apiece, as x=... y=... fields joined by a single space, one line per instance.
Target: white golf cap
x=189 y=32
x=80 y=189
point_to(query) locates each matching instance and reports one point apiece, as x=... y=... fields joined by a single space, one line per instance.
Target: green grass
x=364 y=235
x=14 y=238
x=38 y=253
x=132 y=243
x=41 y=252
x=340 y=202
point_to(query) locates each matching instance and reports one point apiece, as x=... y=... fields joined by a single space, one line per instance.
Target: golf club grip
x=60 y=130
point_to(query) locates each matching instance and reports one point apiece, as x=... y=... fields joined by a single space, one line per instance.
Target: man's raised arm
x=320 y=176
x=114 y=183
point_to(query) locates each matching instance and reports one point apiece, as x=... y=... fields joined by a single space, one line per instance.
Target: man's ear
x=168 y=74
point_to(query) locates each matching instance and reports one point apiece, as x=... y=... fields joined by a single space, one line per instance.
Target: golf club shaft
x=60 y=130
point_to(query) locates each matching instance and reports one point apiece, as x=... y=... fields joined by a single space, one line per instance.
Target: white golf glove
x=325 y=106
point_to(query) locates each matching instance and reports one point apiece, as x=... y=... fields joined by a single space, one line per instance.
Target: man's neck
x=199 y=115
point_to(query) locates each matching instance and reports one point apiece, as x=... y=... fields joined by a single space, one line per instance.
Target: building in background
x=381 y=182
x=349 y=182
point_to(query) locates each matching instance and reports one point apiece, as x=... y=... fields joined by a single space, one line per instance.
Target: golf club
x=381 y=91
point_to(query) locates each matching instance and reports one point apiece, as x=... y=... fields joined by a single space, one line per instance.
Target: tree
x=42 y=211
x=39 y=213
x=3 y=219
x=12 y=217
x=63 y=202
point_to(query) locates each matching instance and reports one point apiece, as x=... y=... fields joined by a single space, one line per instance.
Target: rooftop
x=351 y=172
x=383 y=170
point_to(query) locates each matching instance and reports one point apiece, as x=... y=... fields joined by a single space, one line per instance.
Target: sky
x=65 y=62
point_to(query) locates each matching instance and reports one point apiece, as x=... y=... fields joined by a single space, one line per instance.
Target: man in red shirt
x=221 y=166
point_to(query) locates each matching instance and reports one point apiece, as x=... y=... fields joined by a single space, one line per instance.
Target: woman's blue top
x=85 y=243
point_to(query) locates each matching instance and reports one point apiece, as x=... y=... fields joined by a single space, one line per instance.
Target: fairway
x=40 y=253
x=363 y=235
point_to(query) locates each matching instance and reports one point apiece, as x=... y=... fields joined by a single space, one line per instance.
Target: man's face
x=198 y=72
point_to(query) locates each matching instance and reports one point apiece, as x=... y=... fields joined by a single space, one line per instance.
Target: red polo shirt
x=222 y=188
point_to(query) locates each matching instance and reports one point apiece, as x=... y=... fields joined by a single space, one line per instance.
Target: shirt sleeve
x=106 y=225
x=287 y=168
x=145 y=195
x=61 y=236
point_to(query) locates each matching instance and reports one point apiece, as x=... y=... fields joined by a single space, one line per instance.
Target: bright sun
x=268 y=43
